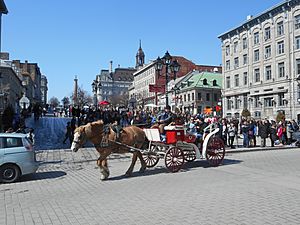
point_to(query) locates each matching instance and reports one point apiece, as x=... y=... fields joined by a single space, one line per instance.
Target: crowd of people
x=231 y=130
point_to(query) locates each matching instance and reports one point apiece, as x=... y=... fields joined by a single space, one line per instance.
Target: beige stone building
x=261 y=64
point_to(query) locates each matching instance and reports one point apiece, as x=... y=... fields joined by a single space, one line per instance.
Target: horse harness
x=105 y=142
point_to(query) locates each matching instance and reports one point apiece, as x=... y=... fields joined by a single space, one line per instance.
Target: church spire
x=140 y=56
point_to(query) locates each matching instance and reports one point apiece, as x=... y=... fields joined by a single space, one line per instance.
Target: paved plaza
x=261 y=187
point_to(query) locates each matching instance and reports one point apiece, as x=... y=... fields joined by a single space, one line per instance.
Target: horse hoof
x=103 y=177
x=142 y=170
x=127 y=174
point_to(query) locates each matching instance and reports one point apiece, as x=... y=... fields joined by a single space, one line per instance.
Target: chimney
x=249 y=17
x=110 y=66
x=25 y=66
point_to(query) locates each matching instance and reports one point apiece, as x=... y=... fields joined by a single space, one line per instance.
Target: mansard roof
x=279 y=8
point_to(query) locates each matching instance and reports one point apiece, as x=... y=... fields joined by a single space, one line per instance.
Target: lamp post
x=95 y=86
x=174 y=66
x=298 y=92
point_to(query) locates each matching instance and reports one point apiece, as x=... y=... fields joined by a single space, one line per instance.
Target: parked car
x=17 y=157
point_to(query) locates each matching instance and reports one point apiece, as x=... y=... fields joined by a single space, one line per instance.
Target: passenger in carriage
x=165 y=119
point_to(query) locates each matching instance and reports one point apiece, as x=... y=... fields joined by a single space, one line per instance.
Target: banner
x=157 y=88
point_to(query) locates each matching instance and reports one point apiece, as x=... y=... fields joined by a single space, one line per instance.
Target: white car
x=17 y=157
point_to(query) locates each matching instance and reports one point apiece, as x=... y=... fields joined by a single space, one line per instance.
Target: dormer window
x=205 y=82
x=215 y=83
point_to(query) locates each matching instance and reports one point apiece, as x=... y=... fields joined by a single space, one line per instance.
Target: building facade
x=197 y=92
x=32 y=77
x=261 y=64
x=113 y=86
x=11 y=88
x=147 y=76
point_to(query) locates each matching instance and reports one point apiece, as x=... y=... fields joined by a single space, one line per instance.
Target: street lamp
x=95 y=86
x=174 y=66
x=298 y=91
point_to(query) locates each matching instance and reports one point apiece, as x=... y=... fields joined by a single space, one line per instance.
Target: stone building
x=113 y=86
x=261 y=64
x=198 y=91
x=11 y=88
x=32 y=80
x=147 y=75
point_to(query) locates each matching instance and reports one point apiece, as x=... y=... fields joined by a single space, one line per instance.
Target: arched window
x=215 y=83
x=205 y=82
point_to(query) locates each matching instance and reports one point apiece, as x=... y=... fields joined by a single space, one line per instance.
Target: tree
x=83 y=98
x=54 y=102
x=65 y=101
x=121 y=100
x=280 y=116
x=246 y=113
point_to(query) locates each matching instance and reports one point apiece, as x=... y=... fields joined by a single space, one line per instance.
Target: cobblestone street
x=250 y=188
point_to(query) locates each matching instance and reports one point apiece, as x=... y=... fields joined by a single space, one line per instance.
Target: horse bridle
x=80 y=142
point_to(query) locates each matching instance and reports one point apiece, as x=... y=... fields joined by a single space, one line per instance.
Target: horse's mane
x=82 y=127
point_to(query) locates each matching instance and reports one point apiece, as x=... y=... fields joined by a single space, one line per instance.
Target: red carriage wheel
x=189 y=155
x=215 y=151
x=150 y=157
x=174 y=159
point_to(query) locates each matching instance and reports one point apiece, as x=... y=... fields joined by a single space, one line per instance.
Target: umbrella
x=104 y=103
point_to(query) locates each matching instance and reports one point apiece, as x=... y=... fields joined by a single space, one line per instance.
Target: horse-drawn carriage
x=180 y=147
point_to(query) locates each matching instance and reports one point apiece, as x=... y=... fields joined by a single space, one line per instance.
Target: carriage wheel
x=151 y=158
x=174 y=159
x=189 y=155
x=215 y=151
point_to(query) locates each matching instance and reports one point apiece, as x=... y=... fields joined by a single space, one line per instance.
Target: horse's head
x=79 y=138
x=92 y=132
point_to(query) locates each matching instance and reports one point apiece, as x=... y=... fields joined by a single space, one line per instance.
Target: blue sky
x=75 y=37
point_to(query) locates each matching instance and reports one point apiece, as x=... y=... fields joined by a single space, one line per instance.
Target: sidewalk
x=239 y=147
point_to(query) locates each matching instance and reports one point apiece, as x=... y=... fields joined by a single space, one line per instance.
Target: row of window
x=145 y=74
x=236 y=103
x=208 y=96
x=256 y=55
x=143 y=84
x=257 y=76
x=256 y=38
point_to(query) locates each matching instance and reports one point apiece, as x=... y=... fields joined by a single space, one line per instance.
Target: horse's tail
x=145 y=143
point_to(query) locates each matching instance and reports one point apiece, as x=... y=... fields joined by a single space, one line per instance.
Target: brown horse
x=94 y=132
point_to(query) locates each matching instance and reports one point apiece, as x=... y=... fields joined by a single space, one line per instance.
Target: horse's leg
x=143 y=164
x=102 y=163
x=130 y=169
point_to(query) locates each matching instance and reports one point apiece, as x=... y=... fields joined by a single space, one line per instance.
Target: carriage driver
x=164 y=119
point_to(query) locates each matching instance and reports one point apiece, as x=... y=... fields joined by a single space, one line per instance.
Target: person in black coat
x=273 y=134
x=263 y=132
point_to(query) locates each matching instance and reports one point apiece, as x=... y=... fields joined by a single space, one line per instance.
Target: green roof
x=197 y=80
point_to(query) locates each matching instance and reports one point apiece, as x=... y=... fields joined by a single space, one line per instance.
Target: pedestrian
x=31 y=136
x=231 y=134
x=245 y=131
x=263 y=132
x=279 y=132
x=289 y=132
x=252 y=141
x=68 y=134
x=273 y=134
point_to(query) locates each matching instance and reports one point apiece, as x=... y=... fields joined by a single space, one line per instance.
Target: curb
x=258 y=149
